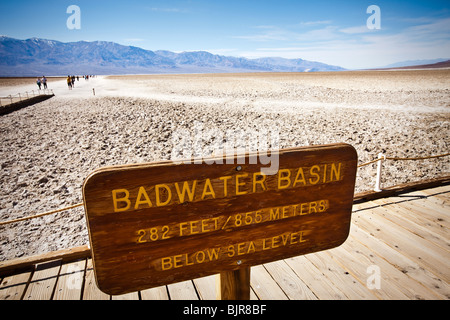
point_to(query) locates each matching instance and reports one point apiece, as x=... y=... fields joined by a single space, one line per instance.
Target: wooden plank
x=423 y=207
x=430 y=221
x=424 y=253
x=357 y=265
x=64 y=255
x=426 y=211
x=150 y=207
x=341 y=278
x=13 y=287
x=184 y=290
x=403 y=263
x=158 y=293
x=432 y=198
x=265 y=286
x=91 y=291
x=207 y=287
x=413 y=224
x=289 y=282
x=126 y=296
x=70 y=281
x=442 y=192
x=43 y=282
x=390 y=275
x=322 y=288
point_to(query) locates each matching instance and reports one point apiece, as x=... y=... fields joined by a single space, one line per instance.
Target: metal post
x=381 y=157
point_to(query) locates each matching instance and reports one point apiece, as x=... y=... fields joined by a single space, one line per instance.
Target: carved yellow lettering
x=159 y=202
x=177 y=261
x=166 y=263
x=260 y=181
x=204 y=225
x=251 y=247
x=285 y=211
x=139 y=201
x=336 y=172
x=301 y=208
x=301 y=237
x=284 y=175
x=216 y=220
x=322 y=205
x=190 y=192
x=311 y=171
x=231 y=251
x=238 y=184
x=275 y=242
x=285 y=238
x=264 y=247
x=187 y=261
x=123 y=199
x=208 y=190
x=274 y=214
x=225 y=189
x=312 y=207
x=183 y=226
x=194 y=226
x=200 y=257
x=240 y=248
x=299 y=178
x=213 y=254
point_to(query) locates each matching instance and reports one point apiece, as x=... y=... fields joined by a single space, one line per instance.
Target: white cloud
x=356 y=30
x=315 y=23
x=356 y=47
x=134 y=40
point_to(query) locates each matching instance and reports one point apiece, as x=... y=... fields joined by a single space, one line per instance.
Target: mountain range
x=37 y=57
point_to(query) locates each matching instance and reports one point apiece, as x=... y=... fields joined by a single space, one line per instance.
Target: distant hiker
x=69 y=82
x=44 y=82
x=73 y=81
x=78 y=78
x=38 y=81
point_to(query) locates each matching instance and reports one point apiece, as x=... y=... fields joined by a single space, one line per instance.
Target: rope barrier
x=367 y=163
x=401 y=159
x=41 y=214
x=81 y=204
x=419 y=158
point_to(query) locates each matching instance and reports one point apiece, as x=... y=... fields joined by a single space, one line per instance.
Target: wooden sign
x=160 y=223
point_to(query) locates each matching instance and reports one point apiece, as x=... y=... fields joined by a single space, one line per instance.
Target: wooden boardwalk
x=398 y=248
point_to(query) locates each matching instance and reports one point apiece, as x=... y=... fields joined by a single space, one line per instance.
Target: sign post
x=234 y=285
x=160 y=223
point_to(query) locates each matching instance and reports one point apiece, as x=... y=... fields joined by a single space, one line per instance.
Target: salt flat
x=48 y=149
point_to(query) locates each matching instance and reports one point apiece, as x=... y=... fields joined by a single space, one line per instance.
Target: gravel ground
x=49 y=149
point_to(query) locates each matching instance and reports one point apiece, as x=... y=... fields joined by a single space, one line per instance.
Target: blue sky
x=333 y=32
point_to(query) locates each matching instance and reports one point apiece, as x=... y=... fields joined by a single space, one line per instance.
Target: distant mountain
x=438 y=65
x=410 y=63
x=36 y=57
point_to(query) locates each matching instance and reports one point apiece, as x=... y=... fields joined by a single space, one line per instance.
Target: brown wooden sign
x=160 y=223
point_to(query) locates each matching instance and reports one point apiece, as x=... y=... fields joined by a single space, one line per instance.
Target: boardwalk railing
x=21 y=96
x=381 y=158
